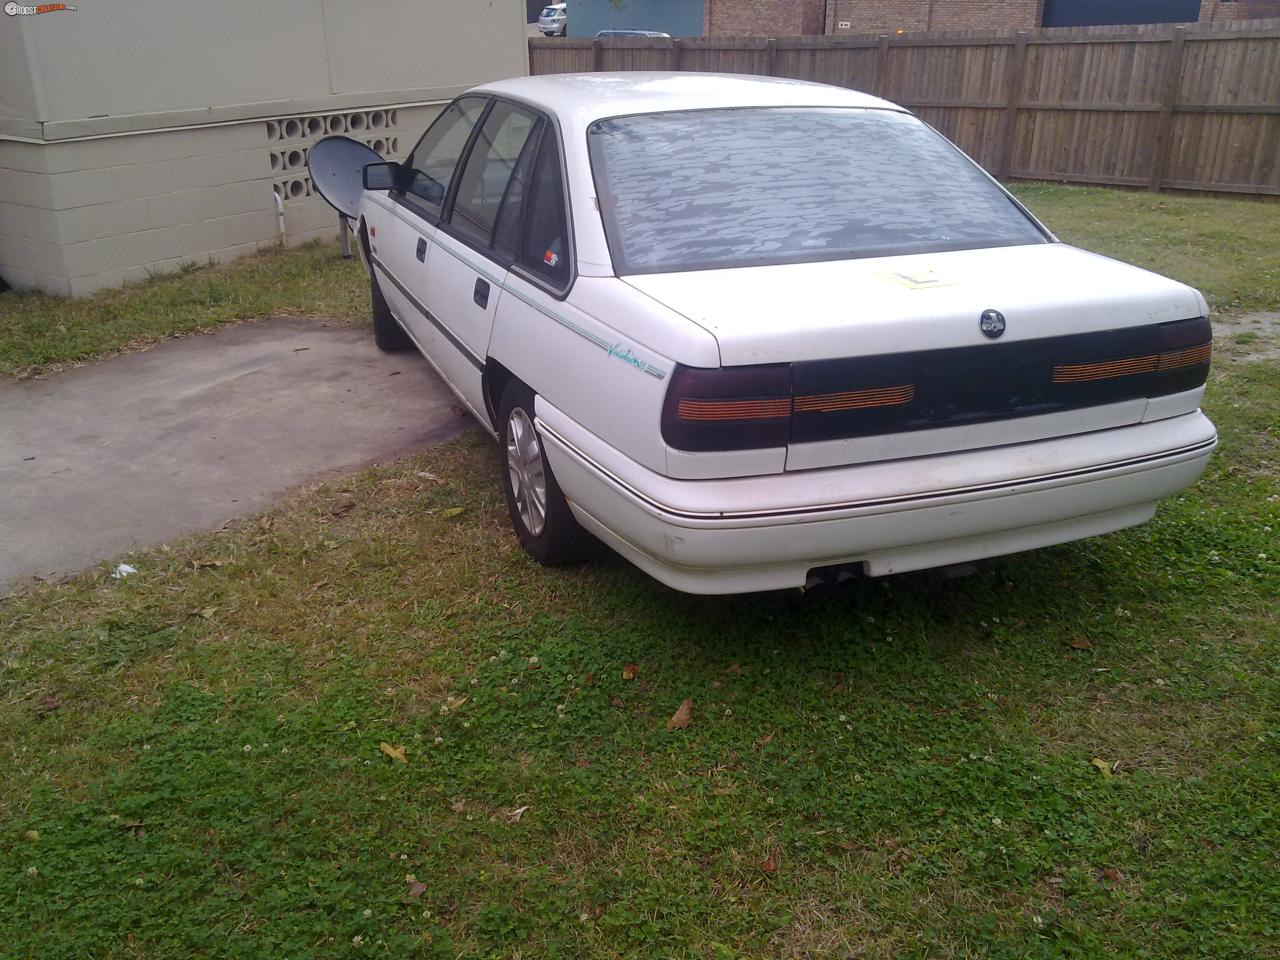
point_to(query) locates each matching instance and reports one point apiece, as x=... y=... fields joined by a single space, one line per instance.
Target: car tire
x=387 y=332
x=540 y=515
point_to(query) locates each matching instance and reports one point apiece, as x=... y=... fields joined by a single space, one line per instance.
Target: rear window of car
x=698 y=190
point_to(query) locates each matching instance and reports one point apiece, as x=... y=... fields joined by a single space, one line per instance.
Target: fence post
x=1009 y=127
x=677 y=51
x=597 y=56
x=1168 y=100
x=771 y=57
x=882 y=60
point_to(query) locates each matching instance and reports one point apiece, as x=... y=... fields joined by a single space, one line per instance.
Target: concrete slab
x=135 y=450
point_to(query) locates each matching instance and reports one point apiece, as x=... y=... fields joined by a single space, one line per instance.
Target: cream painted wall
x=139 y=136
x=17 y=84
x=398 y=43
x=149 y=56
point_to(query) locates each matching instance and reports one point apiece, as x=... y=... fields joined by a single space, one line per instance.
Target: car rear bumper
x=765 y=533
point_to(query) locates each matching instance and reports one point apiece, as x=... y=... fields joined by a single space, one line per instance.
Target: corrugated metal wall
x=1088 y=13
x=680 y=18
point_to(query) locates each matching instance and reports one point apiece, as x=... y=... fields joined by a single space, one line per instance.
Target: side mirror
x=381 y=176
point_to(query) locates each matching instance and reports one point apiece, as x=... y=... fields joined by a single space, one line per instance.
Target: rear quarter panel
x=610 y=375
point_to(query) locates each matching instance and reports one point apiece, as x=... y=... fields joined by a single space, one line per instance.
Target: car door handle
x=422 y=249
x=481 y=295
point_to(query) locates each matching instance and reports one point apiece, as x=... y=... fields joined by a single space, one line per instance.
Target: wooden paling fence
x=1181 y=108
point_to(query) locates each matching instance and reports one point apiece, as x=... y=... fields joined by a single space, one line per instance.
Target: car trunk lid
x=888 y=357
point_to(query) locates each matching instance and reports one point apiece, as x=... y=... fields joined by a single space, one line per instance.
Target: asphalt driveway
x=135 y=450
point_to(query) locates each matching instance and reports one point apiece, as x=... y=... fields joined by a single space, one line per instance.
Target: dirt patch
x=1247 y=339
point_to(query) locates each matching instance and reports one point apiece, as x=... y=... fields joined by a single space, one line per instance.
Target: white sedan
x=750 y=332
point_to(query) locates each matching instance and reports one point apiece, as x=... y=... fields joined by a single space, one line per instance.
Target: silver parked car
x=554 y=20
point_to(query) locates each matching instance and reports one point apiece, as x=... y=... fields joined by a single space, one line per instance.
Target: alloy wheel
x=527 y=471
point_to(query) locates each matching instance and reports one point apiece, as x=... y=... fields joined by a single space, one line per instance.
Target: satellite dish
x=336 y=165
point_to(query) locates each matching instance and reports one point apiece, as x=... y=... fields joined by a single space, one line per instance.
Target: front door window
x=432 y=164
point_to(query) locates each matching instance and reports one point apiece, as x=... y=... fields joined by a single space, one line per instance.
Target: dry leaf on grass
x=1079 y=643
x=207 y=564
x=629 y=671
x=1106 y=767
x=734 y=668
x=395 y=753
x=764 y=740
x=680 y=719
x=416 y=890
x=427 y=475
x=770 y=865
x=452 y=512
x=343 y=506
x=515 y=815
x=615 y=701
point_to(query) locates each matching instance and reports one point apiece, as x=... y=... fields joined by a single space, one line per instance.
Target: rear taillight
x=774 y=405
x=728 y=408
x=1183 y=362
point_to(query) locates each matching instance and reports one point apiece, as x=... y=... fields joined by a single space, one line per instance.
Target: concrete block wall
x=134 y=137
x=389 y=131
x=76 y=216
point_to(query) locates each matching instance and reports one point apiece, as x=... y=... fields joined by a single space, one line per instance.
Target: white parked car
x=748 y=332
x=554 y=20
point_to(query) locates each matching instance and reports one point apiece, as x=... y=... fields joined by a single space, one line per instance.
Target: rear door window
x=489 y=171
x=544 y=248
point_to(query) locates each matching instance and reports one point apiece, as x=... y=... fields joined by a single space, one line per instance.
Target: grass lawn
x=1228 y=248
x=39 y=331
x=389 y=733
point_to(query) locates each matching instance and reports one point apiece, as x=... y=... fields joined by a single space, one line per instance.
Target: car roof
x=578 y=99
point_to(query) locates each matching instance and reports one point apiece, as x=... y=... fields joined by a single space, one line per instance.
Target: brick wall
x=1218 y=11
x=762 y=18
x=812 y=18
x=889 y=16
